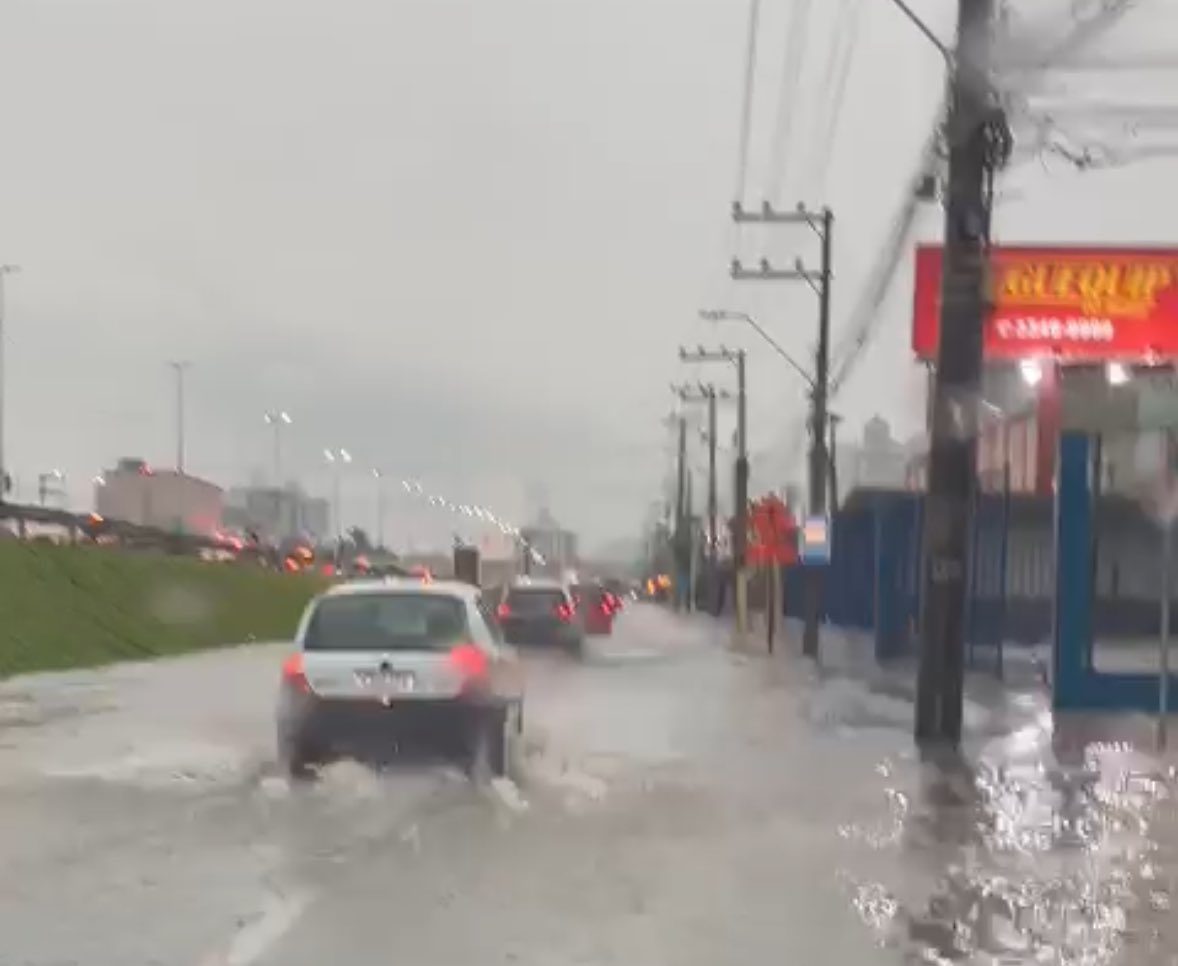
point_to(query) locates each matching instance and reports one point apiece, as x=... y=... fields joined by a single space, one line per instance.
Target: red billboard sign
x=1080 y=303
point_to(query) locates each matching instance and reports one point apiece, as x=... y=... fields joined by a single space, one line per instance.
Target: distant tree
x=360 y=540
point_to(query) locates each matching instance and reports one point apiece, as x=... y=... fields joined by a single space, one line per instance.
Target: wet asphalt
x=676 y=800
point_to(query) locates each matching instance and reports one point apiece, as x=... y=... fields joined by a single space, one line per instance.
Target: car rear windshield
x=534 y=600
x=387 y=622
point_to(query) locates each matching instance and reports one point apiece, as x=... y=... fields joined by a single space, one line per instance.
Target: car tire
x=489 y=745
x=298 y=761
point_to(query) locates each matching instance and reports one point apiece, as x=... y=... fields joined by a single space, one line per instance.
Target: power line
x=864 y=318
x=865 y=314
x=838 y=74
x=795 y=53
x=746 y=108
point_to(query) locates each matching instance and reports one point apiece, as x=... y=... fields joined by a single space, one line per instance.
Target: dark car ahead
x=541 y=612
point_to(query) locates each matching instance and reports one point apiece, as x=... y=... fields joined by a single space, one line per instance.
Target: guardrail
x=86 y=527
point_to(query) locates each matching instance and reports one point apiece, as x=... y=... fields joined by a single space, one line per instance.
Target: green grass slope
x=64 y=607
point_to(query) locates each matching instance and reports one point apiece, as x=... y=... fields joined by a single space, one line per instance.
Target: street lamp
x=1032 y=371
x=5 y=476
x=180 y=367
x=726 y=315
x=378 y=476
x=338 y=459
x=925 y=29
x=276 y=420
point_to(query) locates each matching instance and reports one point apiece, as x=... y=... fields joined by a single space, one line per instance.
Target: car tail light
x=293 y=675
x=564 y=612
x=469 y=661
x=503 y=612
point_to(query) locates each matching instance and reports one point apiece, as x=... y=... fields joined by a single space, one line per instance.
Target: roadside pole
x=713 y=535
x=822 y=224
x=741 y=498
x=979 y=142
x=680 y=513
x=774 y=602
x=1164 y=643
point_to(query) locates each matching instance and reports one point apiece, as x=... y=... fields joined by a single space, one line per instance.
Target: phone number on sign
x=1076 y=329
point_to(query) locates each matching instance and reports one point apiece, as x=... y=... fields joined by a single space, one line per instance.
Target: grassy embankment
x=65 y=607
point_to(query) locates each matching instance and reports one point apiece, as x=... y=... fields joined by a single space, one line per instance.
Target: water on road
x=676 y=802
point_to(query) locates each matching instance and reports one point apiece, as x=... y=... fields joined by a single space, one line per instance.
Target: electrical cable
x=795 y=52
x=838 y=75
x=746 y=107
x=863 y=319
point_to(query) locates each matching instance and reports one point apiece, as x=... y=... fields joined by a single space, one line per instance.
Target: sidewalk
x=1054 y=838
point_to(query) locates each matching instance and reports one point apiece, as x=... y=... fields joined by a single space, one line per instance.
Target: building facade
x=877 y=460
x=278 y=513
x=1018 y=433
x=556 y=545
x=136 y=493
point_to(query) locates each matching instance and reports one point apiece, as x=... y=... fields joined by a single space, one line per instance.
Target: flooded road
x=677 y=802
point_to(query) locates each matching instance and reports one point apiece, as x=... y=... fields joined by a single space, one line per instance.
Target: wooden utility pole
x=822 y=223
x=979 y=142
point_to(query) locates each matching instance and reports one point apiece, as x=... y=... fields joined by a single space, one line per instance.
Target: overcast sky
x=462 y=239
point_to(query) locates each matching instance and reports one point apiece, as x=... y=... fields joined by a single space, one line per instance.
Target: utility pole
x=740 y=497
x=713 y=536
x=822 y=223
x=681 y=512
x=834 y=462
x=979 y=142
x=5 y=475
x=180 y=367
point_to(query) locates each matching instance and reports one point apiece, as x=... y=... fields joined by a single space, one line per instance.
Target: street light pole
x=5 y=476
x=180 y=367
x=276 y=420
x=379 y=534
x=337 y=458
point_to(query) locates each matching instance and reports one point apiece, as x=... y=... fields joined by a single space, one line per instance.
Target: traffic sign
x=772 y=533
x=815 y=540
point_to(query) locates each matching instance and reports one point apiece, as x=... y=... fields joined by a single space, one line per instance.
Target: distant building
x=878 y=460
x=163 y=498
x=278 y=513
x=556 y=545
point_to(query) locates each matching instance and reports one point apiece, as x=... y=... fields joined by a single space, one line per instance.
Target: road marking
x=255 y=939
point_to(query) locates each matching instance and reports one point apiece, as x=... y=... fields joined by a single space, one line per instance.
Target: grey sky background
x=462 y=239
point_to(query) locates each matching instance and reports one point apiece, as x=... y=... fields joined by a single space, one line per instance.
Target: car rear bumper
x=334 y=726
x=540 y=632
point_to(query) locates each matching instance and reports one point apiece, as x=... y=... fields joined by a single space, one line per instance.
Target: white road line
x=280 y=914
x=255 y=939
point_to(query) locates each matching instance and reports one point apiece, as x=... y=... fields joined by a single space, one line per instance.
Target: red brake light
x=469 y=660
x=293 y=674
x=564 y=612
x=503 y=611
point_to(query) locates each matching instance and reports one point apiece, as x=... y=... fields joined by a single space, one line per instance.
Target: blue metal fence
x=873 y=581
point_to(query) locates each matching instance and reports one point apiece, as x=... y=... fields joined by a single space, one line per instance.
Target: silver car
x=378 y=660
